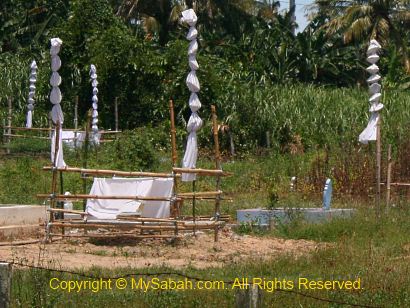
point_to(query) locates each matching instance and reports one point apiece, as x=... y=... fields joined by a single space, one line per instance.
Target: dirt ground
x=199 y=252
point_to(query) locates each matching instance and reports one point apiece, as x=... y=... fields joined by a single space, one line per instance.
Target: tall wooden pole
x=9 y=122
x=378 y=165
x=174 y=155
x=116 y=113
x=75 y=121
x=217 y=165
x=53 y=201
x=85 y=153
x=388 y=181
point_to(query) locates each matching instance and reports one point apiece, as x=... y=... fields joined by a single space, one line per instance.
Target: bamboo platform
x=82 y=225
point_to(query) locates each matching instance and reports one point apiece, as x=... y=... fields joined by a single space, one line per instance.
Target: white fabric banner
x=29 y=119
x=370 y=132
x=143 y=187
x=59 y=163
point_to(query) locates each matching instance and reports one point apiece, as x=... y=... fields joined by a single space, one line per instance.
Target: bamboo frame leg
x=9 y=120
x=194 y=205
x=85 y=154
x=388 y=181
x=218 y=166
x=174 y=157
x=378 y=166
x=75 y=122
x=54 y=175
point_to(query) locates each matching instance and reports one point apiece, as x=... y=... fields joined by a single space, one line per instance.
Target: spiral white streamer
x=31 y=93
x=94 y=99
x=370 y=132
x=192 y=82
x=57 y=115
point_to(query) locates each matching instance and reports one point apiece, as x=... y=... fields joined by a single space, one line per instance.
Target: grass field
x=374 y=249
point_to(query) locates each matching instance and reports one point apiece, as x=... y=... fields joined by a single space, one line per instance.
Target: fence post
x=116 y=113
x=5 y=284
x=9 y=122
x=251 y=297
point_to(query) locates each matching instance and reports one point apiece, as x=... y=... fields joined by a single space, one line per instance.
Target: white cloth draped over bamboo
x=143 y=187
x=31 y=93
x=57 y=115
x=370 y=132
x=94 y=99
x=192 y=82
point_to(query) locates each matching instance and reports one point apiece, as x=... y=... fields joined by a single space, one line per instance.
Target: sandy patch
x=200 y=252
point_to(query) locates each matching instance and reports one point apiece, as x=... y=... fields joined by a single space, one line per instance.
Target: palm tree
x=358 y=20
x=157 y=16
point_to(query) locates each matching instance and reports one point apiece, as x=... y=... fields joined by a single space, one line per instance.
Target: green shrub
x=133 y=150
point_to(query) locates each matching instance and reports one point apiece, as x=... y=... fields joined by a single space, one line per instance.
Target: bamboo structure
x=388 y=180
x=378 y=166
x=9 y=131
x=132 y=225
x=217 y=165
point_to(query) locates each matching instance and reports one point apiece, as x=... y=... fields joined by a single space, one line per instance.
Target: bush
x=133 y=150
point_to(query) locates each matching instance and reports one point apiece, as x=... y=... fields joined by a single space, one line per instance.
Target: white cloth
x=59 y=163
x=69 y=137
x=31 y=93
x=370 y=132
x=143 y=187
x=191 y=151
x=29 y=120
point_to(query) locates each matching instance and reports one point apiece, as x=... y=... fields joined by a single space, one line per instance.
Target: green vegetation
x=291 y=104
x=374 y=250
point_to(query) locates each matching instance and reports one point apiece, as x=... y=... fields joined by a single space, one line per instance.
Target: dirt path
x=200 y=253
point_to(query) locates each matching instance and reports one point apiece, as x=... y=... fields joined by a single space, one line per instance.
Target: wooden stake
x=85 y=153
x=9 y=119
x=378 y=165
x=249 y=296
x=174 y=156
x=217 y=166
x=388 y=181
x=194 y=205
x=5 y=284
x=55 y=172
x=75 y=121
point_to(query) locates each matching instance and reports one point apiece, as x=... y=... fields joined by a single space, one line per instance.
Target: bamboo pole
x=100 y=197
x=46 y=129
x=85 y=153
x=50 y=125
x=116 y=113
x=26 y=137
x=208 y=172
x=115 y=235
x=388 y=181
x=111 y=172
x=4 y=131
x=55 y=172
x=217 y=165
x=9 y=120
x=67 y=211
x=378 y=165
x=114 y=225
x=174 y=156
x=75 y=121
x=194 y=204
x=200 y=194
